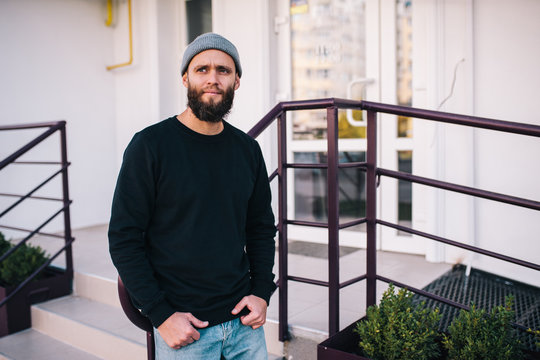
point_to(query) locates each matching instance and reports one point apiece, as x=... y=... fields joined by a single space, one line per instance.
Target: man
x=191 y=230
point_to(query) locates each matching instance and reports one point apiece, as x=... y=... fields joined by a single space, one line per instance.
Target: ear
x=236 y=82
x=185 y=79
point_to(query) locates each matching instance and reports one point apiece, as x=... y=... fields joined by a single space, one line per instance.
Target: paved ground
x=308 y=304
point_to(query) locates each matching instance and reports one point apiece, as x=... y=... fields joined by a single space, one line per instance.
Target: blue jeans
x=230 y=340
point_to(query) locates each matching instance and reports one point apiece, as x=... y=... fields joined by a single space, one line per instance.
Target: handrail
x=279 y=113
x=450 y=118
x=51 y=128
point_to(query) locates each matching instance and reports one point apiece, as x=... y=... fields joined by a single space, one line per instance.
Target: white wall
x=498 y=78
x=52 y=67
x=507 y=83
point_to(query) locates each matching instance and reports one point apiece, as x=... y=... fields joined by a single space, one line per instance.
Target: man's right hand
x=179 y=329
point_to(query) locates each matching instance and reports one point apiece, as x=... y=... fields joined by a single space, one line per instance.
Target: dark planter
x=344 y=346
x=341 y=346
x=15 y=315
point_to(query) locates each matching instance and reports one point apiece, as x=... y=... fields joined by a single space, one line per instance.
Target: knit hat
x=210 y=41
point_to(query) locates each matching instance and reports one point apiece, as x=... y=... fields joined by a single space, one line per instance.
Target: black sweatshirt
x=192 y=229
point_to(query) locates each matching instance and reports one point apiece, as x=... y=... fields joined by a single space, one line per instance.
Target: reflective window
x=405 y=191
x=404 y=63
x=328 y=53
x=198 y=18
x=310 y=188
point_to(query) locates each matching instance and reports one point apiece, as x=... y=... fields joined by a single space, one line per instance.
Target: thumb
x=197 y=323
x=239 y=306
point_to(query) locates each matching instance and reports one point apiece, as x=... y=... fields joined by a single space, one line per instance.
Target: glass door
x=336 y=49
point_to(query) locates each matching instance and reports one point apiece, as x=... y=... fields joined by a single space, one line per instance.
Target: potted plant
x=394 y=329
x=477 y=334
x=16 y=268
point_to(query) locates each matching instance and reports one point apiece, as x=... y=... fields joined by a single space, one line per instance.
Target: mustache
x=212 y=89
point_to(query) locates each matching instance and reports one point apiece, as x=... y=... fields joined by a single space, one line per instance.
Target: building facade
x=475 y=57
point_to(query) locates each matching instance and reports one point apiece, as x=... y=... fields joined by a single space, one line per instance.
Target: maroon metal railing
x=373 y=172
x=51 y=128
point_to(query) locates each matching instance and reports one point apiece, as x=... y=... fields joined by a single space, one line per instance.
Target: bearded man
x=192 y=229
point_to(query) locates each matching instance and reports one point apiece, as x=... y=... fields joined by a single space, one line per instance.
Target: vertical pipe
x=66 y=201
x=282 y=227
x=371 y=211
x=333 y=220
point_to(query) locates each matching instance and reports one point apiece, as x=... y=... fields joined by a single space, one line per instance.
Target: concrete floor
x=308 y=304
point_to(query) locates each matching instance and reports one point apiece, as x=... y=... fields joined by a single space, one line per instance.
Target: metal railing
x=373 y=172
x=51 y=128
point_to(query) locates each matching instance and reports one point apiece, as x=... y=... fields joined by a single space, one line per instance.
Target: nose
x=212 y=77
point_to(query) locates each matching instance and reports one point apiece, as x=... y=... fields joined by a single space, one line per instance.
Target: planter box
x=15 y=315
x=341 y=346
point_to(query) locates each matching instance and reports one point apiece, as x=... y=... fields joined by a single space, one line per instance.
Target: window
x=198 y=18
x=311 y=192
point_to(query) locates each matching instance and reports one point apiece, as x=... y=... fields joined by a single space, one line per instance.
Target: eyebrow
x=219 y=67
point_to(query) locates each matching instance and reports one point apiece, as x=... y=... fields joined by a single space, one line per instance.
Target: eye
x=201 y=69
x=224 y=70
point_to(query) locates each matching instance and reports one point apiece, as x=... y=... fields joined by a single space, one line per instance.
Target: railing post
x=66 y=201
x=371 y=209
x=282 y=227
x=333 y=220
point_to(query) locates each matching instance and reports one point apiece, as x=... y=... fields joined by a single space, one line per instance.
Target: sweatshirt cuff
x=159 y=313
x=264 y=290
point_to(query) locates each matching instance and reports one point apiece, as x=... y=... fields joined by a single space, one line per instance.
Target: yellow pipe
x=130 y=43
x=108 y=21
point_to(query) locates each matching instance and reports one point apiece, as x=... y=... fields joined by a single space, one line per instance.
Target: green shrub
x=21 y=263
x=476 y=334
x=536 y=334
x=4 y=244
x=397 y=329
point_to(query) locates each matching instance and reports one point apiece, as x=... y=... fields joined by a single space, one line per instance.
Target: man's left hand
x=257 y=311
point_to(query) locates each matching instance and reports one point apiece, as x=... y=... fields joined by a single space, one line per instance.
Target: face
x=211 y=80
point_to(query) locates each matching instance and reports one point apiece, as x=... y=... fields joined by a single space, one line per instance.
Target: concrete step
x=91 y=326
x=104 y=290
x=31 y=344
x=96 y=288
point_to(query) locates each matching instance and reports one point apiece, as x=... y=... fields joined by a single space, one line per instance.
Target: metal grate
x=486 y=291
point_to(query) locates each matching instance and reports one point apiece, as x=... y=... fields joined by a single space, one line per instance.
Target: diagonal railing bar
x=360 y=165
x=32 y=197
x=37 y=162
x=273 y=175
x=307 y=281
x=307 y=166
x=33 y=232
x=513 y=200
x=462 y=245
x=307 y=223
x=352 y=281
x=436 y=297
x=28 y=231
x=17 y=154
x=33 y=191
x=352 y=223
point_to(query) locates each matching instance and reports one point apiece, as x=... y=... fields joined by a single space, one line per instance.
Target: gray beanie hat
x=210 y=41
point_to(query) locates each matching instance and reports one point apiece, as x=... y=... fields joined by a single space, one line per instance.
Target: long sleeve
x=260 y=232
x=132 y=208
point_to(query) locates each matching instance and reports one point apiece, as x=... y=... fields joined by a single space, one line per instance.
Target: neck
x=202 y=127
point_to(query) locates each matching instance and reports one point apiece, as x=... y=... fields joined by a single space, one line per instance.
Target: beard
x=211 y=111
